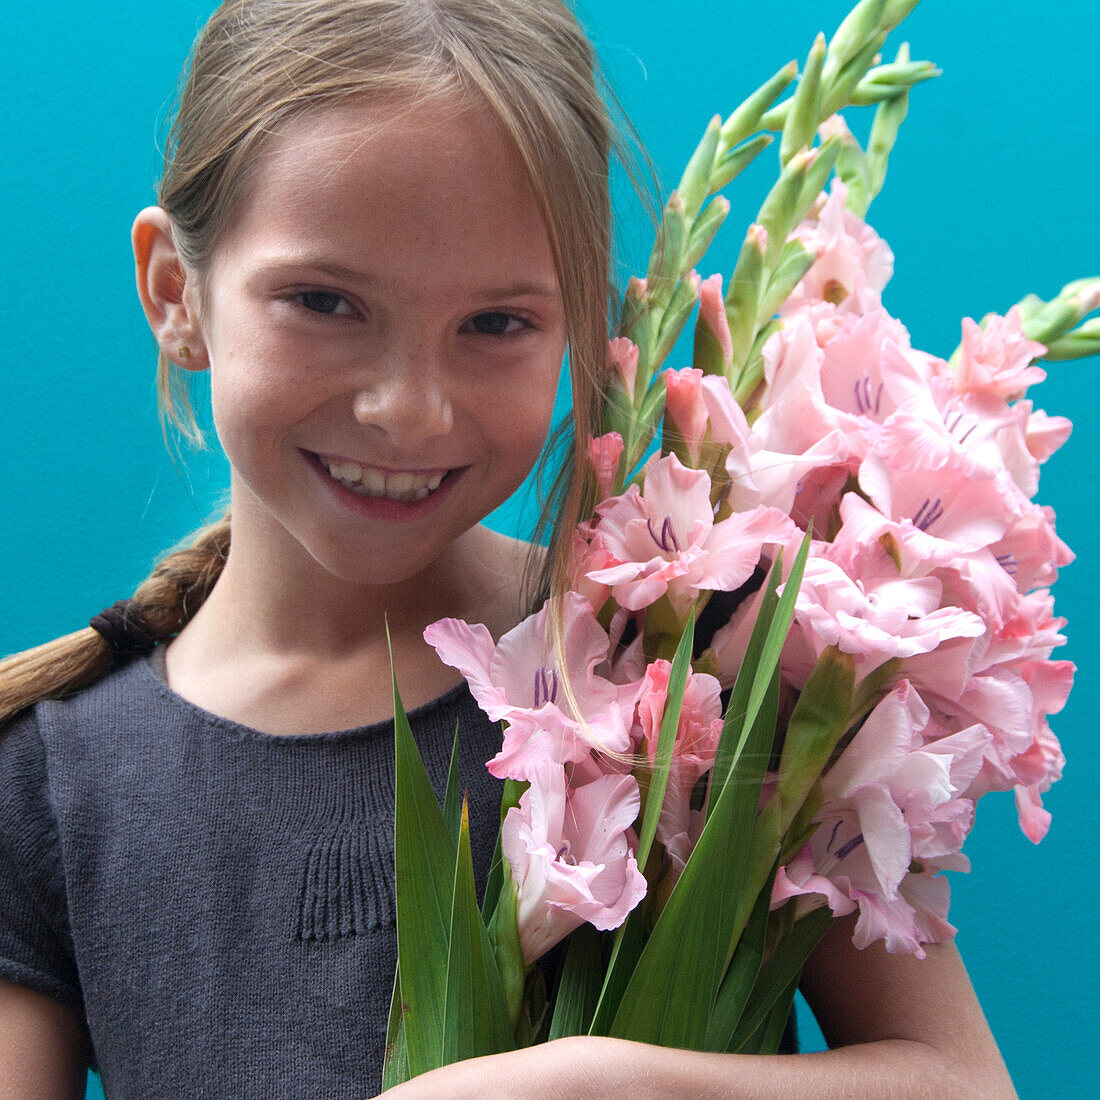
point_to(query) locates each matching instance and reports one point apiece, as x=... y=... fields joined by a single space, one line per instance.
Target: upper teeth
x=377 y=483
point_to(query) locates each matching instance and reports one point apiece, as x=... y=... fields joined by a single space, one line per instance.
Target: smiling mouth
x=370 y=481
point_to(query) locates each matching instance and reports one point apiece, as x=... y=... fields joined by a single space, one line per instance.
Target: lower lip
x=385 y=508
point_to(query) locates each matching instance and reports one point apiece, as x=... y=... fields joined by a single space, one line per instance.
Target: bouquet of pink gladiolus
x=809 y=626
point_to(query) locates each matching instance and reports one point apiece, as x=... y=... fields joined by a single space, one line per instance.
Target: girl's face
x=385 y=333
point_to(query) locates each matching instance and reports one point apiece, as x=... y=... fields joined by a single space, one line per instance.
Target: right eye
x=326 y=302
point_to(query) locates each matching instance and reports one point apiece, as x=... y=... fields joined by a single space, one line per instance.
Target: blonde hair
x=258 y=64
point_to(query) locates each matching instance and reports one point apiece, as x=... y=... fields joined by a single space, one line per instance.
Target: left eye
x=496 y=324
x=324 y=301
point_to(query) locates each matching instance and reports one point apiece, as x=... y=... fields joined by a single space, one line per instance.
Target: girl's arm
x=901 y=1027
x=42 y=1048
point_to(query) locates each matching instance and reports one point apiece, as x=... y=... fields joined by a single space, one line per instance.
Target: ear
x=167 y=291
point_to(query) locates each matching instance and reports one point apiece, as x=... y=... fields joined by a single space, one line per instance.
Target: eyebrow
x=519 y=289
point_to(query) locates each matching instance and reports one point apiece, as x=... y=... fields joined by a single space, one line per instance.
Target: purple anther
x=666 y=540
x=1008 y=563
x=546 y=686
x=966 y=435
x=846 y=849
x=929 y=512
x=832 y=839
x=565 y=856
x=864 y=402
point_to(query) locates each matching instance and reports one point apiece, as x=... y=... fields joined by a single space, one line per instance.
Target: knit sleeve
x=35 y=943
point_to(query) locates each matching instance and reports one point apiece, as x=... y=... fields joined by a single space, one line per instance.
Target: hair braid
x=166 y=601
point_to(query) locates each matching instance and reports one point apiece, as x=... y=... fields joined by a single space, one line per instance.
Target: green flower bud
x=680 y=308
x=734 y=162
x=746 y=119
x=858 y=26
x=777 y=214
x=804 y=114
x=838 y=93
x=666 y=262
x=703 y=231
x=1078 y=343
x=695 y=184
x=884 y=132
x=794 y=262
x=817 y=175
x=883 y=82
x=896 y=11
x=743 y=295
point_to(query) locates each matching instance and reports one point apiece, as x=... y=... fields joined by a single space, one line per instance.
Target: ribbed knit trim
x=333 y=900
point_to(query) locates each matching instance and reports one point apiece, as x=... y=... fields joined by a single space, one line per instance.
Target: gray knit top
x=216 y=902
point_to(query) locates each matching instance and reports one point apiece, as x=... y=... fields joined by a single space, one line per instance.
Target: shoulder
x=85 y=718
x=66 y=755
x=35 y=944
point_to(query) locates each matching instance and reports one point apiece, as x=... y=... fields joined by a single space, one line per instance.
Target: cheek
x=531 y=409
x=252 y=408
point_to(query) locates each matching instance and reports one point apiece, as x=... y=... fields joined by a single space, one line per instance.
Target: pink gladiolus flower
x=666 y=540
x=712 y=313
x=604 y=453
x=997 y=360
x=700 y=724
x=895 y=796
x=589 y=553
x=1030 y=552
x=697 y=736
x=918 y=473
x=570 y=855
x=1045 y=434
x=850 y=254
x=872 y=617
x=518 y=681
x=728 y=427
x=623 y=354
x=685 y=408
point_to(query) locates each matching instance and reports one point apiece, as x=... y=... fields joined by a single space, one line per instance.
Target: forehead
x=434 y=189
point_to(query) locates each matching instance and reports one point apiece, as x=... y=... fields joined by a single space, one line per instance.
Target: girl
x=381 y=224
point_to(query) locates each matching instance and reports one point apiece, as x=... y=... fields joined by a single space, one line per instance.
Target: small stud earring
x=184 y=352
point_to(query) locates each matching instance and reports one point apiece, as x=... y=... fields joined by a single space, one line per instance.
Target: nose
x=407 y=398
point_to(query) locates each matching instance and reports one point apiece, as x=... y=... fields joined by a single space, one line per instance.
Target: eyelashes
x=325 y=302
x=497 y=323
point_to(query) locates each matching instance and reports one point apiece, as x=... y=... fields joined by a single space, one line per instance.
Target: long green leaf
x=761 y=660
x=737 y=708
x=619 y=967
x=579 y=984
x=771 y=1034
x=475 y=1021
x=395 y=1066
x=504 y=942
x=780 y=971
x=626 y=948
x=510 y=797
x=674 y=985
x=817 y=723
x=666 y=741
x=424 y=858
x=452 y=800
x=740 y=977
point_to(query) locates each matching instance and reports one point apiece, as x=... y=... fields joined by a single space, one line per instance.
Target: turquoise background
x=991 y=194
